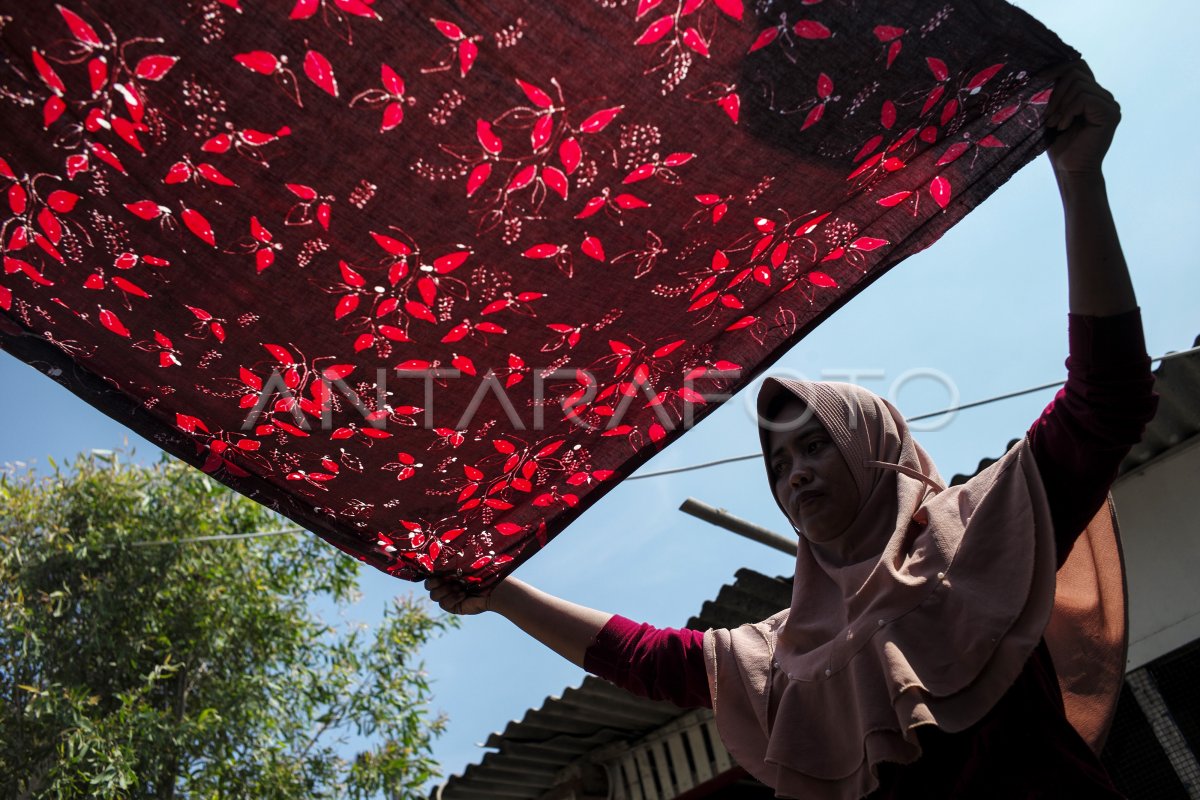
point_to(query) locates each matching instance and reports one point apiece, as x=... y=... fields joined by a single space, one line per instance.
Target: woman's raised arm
x=567 y=628
x=1082 y=117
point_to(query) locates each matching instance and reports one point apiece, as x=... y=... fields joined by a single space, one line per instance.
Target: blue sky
x=986 y=306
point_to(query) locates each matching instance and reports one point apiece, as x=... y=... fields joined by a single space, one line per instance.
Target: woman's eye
x=815 y=445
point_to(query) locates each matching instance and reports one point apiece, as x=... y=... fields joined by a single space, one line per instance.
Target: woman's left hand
x=1081 y=117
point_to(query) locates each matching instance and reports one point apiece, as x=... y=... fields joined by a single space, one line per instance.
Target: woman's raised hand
x=452 y=597
x=1082 y=117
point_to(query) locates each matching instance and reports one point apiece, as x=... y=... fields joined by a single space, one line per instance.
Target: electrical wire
x=676 y=470
x=963 y=407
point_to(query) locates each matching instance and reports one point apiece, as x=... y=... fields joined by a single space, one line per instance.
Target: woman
x=915 y=659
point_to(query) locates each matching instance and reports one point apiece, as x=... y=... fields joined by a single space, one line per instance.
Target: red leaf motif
x=338 y=371
x=129 y=286
x=420 y=311
x=393 y=246
x=813 y=117
x=457 y=333
x=940 y=189
x=983 y=76
x=197 y=224
x=824 y=86
x=541 y=132
x=390 y=80
x=990 y=141
x=732 y=8
x=764 y=38
x=731 y=104
x=47 y=73
x=894 y=199
x=592 y=248
x=868 y=148
x=304 y=9
x=628 y=201
x=53 y=109
x=932 y=99
x=811 y=29
x=953 y=152
x=320 y=71
x=448 y=29
x=894 y=52
x=867 y=243
x=657 y=30
x=555 y=180
x=938 y=68
x=146 y=209
x=393 y=333
x=570 y=154
x=949 y=111
x=468 y=51
x=393 y=115
x=450 y=262
x=821 y=279
x=302 y=191
x=646 y=6
x=744 y=322
x=669 y=348
x=259 y=61
x=109 y=320
x=542 y=251
x=62 y=201
x=178 y=173
x=523 y=178
x=693 y=39
x=478 y=177
x=487 y=139
x=153 y=68
x=350 y=276
x=345 y=306
x=214 y=175
x=1006 y=113
x=79 y=29
x=536 y=96
x=886 y=33
x=598 y=121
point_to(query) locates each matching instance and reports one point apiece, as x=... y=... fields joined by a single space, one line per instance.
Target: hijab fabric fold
x=931 y=631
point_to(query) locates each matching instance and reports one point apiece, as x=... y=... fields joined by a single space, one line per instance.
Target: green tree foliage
x=195 y=670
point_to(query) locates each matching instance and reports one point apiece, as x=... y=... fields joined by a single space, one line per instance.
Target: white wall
x=1158 y=508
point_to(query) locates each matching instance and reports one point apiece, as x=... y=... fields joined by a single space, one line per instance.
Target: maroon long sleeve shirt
x=1024 y=747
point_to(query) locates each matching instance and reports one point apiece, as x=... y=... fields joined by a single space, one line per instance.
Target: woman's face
x=809 y=476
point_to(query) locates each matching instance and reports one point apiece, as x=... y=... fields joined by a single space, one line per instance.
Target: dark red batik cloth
x=621 y=209
x=1024 y=747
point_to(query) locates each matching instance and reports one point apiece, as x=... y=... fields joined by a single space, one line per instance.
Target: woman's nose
x=801 y=473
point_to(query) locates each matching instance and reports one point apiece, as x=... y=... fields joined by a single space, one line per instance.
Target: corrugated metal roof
x=531 y=753
x=1177 y=381
x=1178 y=417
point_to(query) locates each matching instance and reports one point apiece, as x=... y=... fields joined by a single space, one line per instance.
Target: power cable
x=675 y=470
x=963 y=407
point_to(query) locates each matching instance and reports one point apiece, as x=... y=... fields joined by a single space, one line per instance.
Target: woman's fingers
x=1096 y=107
x=452 y=596
x=1076 y=93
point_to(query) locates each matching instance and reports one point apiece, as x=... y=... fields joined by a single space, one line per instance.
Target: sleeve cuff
x=1113 y=339
x=602 y=658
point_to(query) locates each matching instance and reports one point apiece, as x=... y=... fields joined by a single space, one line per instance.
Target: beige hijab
x=932 y=631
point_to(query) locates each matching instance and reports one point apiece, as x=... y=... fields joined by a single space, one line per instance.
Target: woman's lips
x=808 y=498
